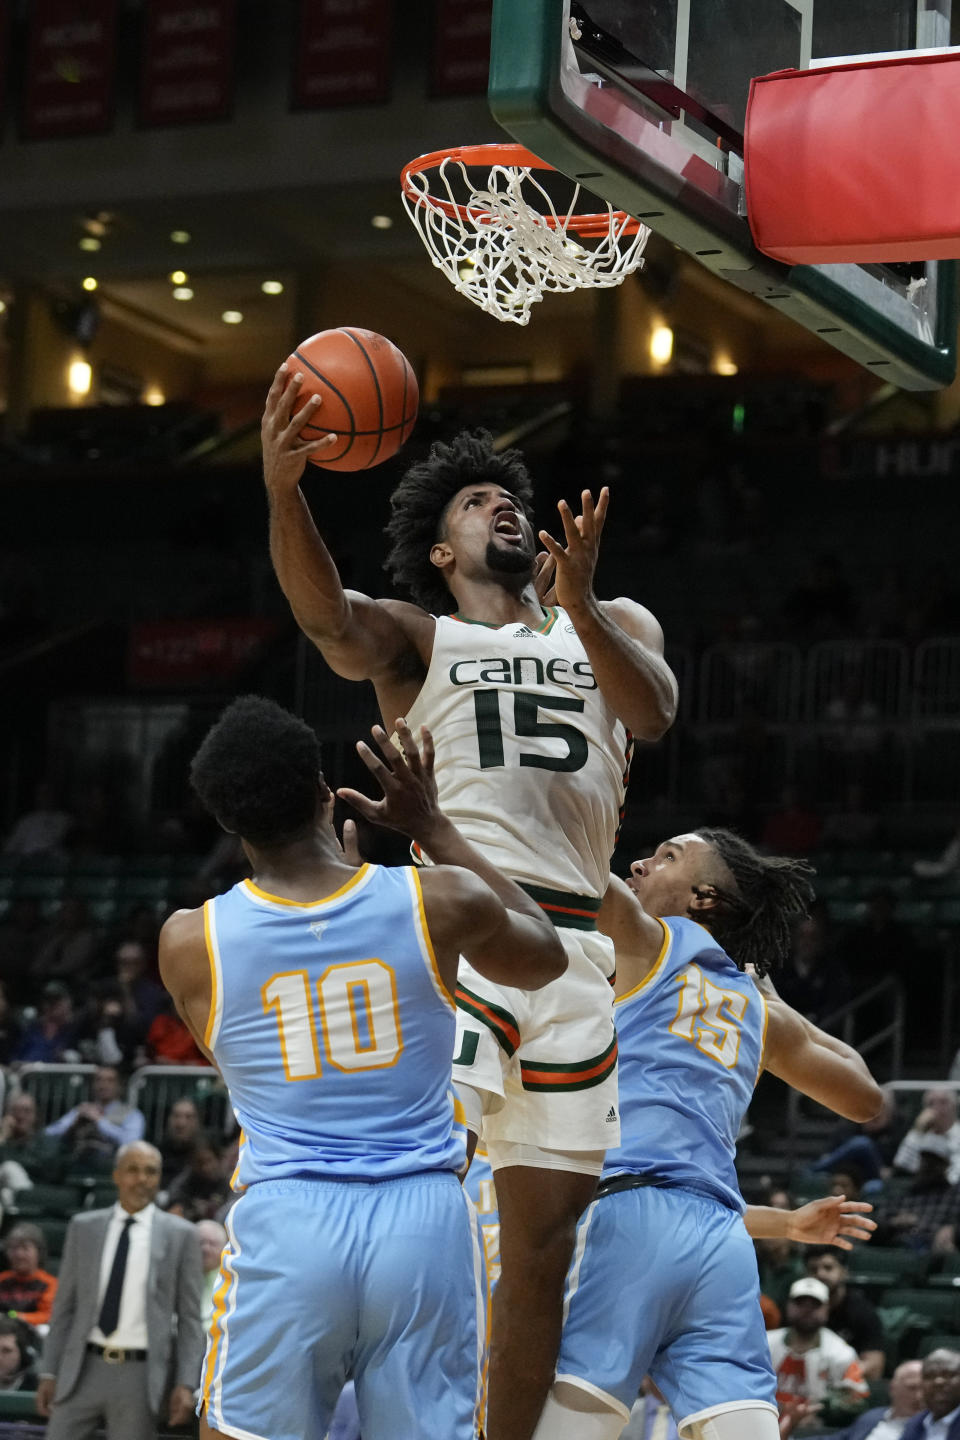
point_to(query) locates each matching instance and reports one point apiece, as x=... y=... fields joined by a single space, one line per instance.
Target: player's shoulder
x=412 y=619
x=452 y=885
x=635 y=619
x=181 y=926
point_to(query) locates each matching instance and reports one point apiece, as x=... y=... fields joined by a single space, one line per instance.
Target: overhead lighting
x=154 y=396
x=79 y=377
x=183 y=292
x=231 y=317
x=381 y=222
x=723 y=365
x=88 y=242
x=178 y=277
x=661 y=344
x=272 y=287
x=3 y=306
x=89 y=282
x=180 y=237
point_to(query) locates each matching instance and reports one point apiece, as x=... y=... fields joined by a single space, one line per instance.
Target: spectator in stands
x=26 y=1153
x=811 y=981
x=181 y=1136
x=938 y=1116
x=114 y=1121
x=141 y=996
x=26 y=1289
x=941 y=1396
x=213 y=1237
x=851 y=1315
x=201 y=1188
x=21 y=931
x=51 y=1038
x=67 y=949
x=43 y=830
x=879 y=944
x=822 y=604
x=106 y=1035
x=871 y=1146
x=169 y=1042
x=889 y=1422
x=847 y=1183
x=17 y=1370
x=811 y=1362
x=792 y=829
x=926 y=1216
x=10 y=1029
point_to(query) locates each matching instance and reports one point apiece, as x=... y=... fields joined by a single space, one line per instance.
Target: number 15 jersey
x=532 y=763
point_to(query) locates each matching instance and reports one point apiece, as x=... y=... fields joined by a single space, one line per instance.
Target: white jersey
x=532 y=763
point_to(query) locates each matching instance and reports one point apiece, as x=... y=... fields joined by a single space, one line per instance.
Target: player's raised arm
x=832 y=1220
x=819 y=1065
x=473 y=909
x=623 y=641
x=360 y=638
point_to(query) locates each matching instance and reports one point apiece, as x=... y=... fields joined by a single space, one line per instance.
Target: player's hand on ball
x=577 y=561
x=284 y=452
x=834 y=1220
x=405 y=776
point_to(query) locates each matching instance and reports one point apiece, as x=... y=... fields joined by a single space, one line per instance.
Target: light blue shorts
x=323 y=1281
x=663 y=1282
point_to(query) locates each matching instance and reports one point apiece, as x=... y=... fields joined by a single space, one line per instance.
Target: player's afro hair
x=257 y=771
x=754 y=920
x=420 y=501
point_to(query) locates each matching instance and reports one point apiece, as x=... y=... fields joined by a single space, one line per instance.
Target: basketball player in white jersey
x=534 y=711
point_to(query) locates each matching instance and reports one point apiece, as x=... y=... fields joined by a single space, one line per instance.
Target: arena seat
x=883 y=1267
x=55 y=1088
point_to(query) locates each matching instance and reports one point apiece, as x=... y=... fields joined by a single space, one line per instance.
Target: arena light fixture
x=88 y=242
x=79 y=377
x=661 y=344
x=153 y=395
x=381 y=222
x=232 y=317
x=178 y=277
x=180 y=237
x=89 y=282
x=272 y=287
x=183 y=292
x=723 y=365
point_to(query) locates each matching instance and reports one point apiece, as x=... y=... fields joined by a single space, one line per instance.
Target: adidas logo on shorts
x=612 y=1115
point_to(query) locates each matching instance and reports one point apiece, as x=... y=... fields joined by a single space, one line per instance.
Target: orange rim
x=513 y=157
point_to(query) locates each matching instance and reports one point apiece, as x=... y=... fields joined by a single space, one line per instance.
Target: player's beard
x=509 y=559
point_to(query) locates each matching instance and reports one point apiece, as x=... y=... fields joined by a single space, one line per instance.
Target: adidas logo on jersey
x=521 y=631
x=612 y=1116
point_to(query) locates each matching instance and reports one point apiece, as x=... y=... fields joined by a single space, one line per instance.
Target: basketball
x=369 y=394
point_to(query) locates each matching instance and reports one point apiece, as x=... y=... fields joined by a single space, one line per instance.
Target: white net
x=504 y=245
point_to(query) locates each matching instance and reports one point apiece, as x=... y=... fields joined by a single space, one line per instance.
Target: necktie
x=110 y=1308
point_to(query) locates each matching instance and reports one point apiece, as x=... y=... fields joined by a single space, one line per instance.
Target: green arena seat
x=938 y=1342
x=18 y=1405
x=54 y=1229
x=948 y=1273
x=47 y=1200
x=941 y=1308
x=883 y=1267
x=155 y=1088
x=56 y=1088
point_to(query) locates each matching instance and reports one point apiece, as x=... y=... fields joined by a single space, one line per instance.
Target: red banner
x=343 y=53
x=71 y=59
x=461 y=47
x=176 y=654
x=186 y=72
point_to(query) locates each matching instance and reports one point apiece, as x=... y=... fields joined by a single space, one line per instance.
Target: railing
x=843 y=1022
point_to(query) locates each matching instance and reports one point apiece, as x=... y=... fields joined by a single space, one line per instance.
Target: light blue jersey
x=691 y=1041
x=333 y=1031
x=664 y=1280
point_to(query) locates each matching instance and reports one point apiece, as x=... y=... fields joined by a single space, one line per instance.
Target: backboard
x=644 y=103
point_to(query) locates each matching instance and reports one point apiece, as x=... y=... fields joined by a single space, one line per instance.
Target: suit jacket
x=175 y=1338
x=914 y=1430
x=860 y=1428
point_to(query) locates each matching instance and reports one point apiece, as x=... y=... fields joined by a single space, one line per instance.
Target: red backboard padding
x=856 y=162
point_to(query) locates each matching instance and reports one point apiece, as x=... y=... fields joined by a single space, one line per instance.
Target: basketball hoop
x=494 y=228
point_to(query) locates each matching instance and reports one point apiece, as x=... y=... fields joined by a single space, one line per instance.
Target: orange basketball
x=369 y=394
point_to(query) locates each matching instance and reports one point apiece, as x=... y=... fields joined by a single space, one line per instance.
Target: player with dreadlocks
x=664 y=1280
x=532 y=708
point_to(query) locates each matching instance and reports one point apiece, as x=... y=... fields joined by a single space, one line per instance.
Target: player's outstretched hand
x=577 y=561
x=284 y=453
x=405 y=776
x=834 y=1220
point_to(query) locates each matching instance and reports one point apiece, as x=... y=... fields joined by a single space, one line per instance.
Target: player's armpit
x=465 y=917
x=819 y=1066
x=637 y=937
x=185 y=971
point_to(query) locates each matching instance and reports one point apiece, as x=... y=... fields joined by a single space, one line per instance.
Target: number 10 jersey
x=532 y=763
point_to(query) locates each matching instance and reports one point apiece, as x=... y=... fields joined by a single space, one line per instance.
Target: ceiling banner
x=461 y=47
x=71 y=63
x=187 y=61
x=343 y=53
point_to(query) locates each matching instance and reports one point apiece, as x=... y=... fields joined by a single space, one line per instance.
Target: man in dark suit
x=890 y=1422
x=941 y=1395
x=126 y=1321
